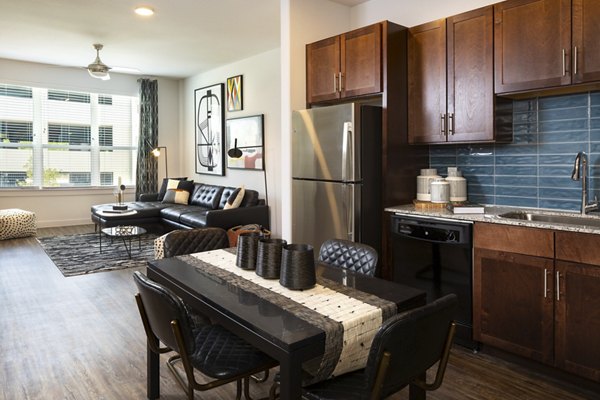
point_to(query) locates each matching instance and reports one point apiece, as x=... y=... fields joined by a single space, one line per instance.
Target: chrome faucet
x=581 y=173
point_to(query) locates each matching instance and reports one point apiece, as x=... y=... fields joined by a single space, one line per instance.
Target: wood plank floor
x=81 y=338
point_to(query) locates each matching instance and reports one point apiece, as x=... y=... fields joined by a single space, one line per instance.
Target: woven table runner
x=349 y=318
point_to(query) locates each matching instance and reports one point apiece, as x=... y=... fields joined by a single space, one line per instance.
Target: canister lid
x=429 y=171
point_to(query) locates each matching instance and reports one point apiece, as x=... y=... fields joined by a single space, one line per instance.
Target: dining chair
x=404 y=348
x=199 y=345
x=187 y=241
x=357 y=257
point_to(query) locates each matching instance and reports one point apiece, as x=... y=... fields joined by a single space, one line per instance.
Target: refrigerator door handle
x=347 y=153
x=348 y=195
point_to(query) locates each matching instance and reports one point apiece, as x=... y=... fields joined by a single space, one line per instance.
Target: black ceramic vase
x=297 y=267
x=247 y=247
x=268 y=259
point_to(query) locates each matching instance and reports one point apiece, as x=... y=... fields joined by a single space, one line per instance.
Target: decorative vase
x=246 y=250
x=297 y=267
x=268 y=259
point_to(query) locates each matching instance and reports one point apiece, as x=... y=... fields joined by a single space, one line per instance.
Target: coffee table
x=125 y=232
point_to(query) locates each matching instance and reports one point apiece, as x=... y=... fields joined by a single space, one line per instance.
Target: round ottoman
x=16 y=223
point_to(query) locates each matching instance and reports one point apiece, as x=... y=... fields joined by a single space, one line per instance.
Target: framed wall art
x=246 y=134
x=235 y=99
x=209 y=129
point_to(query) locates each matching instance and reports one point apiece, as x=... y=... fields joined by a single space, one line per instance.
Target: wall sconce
x=156 y=153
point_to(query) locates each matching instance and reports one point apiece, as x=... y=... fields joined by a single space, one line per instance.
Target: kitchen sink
x=552 y=219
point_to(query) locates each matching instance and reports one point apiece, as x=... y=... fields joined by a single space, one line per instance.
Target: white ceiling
x=183 y=38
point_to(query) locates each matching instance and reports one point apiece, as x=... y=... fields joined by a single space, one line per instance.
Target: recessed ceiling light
x=144 y=11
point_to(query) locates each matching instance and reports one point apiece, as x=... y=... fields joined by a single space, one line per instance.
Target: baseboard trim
x=63 y=222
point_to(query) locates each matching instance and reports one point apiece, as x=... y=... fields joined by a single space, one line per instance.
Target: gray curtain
x=147 y=174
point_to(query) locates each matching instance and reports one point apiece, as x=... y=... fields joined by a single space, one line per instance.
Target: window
x=15 y=91
x=106 y=100
x=80 y=178
x=68 y=96
x=105 y=135
x=12 y=178
x=70 y=134
x=57 y=138
x=106 y=179
x=16 y=132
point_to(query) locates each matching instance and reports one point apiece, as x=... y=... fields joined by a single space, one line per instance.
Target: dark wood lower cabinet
x=577 y=319
x=545 y=308
x=514 y=309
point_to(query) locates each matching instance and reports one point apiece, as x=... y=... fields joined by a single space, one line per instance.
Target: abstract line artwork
x=210 y=127
x=234 y=93
x=247 y=134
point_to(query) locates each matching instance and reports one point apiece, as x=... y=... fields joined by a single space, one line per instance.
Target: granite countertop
x=492 y=212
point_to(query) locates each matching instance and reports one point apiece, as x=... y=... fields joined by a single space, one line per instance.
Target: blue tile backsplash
x=535 y=169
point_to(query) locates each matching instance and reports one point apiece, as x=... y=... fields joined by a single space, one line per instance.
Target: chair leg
x=247 y=389
x=238 y=393
x=273 y=391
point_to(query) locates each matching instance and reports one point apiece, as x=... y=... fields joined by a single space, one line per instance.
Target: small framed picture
x=234 y=93
x=245 y=141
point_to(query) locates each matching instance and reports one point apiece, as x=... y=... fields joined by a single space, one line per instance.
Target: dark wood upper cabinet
x=451 y=88
x=322 y=69
x=427 y=83
x=470 y=76
x=586 y=43
x=532 y=44
x=346 y=65
x=361 y=61
x=541 y=44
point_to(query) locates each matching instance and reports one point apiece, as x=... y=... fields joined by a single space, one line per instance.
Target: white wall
x=410 y=12
x=66 y=206
x=302 y=22
x=261 y=95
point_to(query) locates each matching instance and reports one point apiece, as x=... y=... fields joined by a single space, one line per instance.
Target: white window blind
x=56 y=138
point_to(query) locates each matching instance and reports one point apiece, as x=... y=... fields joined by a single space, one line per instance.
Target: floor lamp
x=156 y=153
x=236 y=152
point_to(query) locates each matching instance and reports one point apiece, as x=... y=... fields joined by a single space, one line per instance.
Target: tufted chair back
x=357 y=257
x=160 y=306
x=187 y=241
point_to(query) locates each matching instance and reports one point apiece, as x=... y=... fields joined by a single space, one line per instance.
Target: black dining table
x=275 y=331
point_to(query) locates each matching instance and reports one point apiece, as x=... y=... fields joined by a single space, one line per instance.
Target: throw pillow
x=235 y=199
x=163 y=186
x=176 y=196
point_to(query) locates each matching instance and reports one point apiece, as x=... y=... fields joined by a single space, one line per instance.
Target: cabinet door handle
x=451 y=124
x=564 y=62
x=443 y=124
x=335 y=88
x=341 y=81
x=575 y=61
x=545 y=282
x=557 y=286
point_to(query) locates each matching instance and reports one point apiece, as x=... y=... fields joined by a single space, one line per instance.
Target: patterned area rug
x=80 y=254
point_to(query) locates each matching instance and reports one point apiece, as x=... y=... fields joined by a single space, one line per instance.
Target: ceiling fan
x=98 y=69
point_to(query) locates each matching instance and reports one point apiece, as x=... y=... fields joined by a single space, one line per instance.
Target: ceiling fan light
x=104 y=75
x=144 y=11
x=98 y=69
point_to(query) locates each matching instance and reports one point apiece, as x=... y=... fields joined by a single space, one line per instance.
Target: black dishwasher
x=436 y=255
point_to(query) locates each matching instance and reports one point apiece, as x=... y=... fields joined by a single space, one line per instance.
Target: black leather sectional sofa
x=204 y=209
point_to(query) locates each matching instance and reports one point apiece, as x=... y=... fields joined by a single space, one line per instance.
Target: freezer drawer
x=324 y=210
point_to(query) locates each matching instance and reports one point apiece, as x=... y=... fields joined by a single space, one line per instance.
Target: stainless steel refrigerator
x=336 y=175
